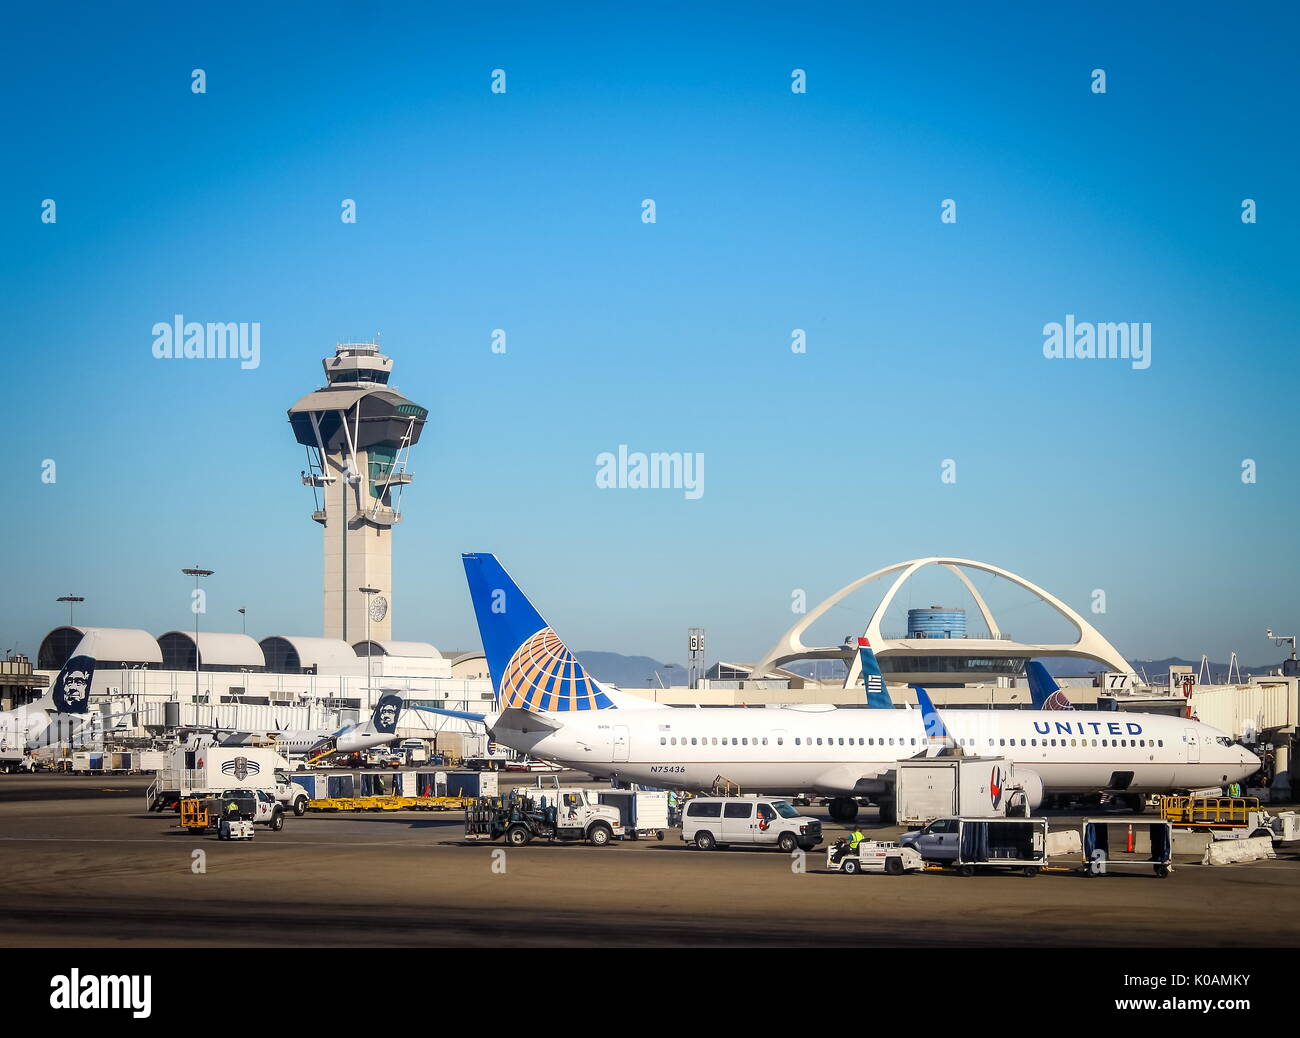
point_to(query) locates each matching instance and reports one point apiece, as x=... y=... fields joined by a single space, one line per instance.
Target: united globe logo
x=544 y=675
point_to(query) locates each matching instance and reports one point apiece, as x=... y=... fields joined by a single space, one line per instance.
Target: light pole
x=243 y=619
x=373 y=605
x=72 y=600
x=196 y=573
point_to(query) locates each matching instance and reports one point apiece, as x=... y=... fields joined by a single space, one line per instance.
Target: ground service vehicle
x=552 y=814
x=873 y=856
x=712 y=822
x=209 y=770
x=233 y=814
x=966 y=787
x=1120 y=843
x=644 y=813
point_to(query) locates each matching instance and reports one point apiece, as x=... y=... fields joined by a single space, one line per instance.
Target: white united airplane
x=547 y=706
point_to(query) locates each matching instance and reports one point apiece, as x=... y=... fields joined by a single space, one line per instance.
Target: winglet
x=937 y=735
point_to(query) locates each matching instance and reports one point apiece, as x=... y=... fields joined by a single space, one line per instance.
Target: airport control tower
x=358 y=433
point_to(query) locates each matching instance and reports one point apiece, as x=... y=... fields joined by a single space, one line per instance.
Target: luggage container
x=471 y=784
x=1004 y=843
x=642 y=813
x=1122 y=843
x=963 y=787
x=430 y=784
x=316 y=786
x=376 y=785
x=337 y=786
x=407 y=784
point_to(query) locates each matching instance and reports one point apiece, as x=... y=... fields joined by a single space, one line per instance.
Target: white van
x=710 y=822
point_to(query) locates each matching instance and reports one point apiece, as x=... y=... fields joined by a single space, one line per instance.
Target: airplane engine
x=1028 y=788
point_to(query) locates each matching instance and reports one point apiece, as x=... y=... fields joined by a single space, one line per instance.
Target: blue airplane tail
x=70 y=691
x=872 y=679
x=531 y=668
x=1044 y=690
x=936 y=732
x=386 y=712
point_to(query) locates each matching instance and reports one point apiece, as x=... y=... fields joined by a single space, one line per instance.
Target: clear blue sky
x=775 y=211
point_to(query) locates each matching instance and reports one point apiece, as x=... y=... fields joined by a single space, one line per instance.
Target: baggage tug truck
x=552 y=814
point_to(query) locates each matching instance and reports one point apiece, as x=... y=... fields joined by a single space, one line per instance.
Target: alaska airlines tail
x=70 y=693
x=1044 y=690
x=872 y=679
x=384 y=719
x=531 y=668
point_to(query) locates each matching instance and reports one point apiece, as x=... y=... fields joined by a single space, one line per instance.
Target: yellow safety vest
x=856 y=839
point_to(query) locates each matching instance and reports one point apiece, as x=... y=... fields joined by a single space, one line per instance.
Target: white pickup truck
x=265 y=809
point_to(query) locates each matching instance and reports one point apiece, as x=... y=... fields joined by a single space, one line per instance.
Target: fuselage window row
x=665 y=740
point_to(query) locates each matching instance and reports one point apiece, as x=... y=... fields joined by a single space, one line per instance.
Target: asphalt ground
x=85 y=865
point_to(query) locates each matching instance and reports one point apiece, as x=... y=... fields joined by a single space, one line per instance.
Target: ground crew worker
x=854 y=840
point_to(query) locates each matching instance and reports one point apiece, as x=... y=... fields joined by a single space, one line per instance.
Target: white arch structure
x=1091 y=645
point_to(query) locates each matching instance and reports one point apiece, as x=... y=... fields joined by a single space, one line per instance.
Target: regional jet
x=59 y=716
x=379 y=729
x=548 y=706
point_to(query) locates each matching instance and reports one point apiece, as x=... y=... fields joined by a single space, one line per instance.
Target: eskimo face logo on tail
x=544 y=675
x=386 y=711
x=240 y=768
x=71 y=690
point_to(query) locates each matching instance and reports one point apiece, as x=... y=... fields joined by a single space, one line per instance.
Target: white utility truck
x=210 y=770
x=968 y=787
x=561 y=813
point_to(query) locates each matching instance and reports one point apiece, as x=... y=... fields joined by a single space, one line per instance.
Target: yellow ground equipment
x=390 y=804
x=1209 y=812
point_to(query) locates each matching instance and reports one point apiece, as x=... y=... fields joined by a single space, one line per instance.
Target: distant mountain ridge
x=614 y=668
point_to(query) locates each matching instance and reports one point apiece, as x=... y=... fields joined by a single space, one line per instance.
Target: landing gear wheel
x=851 y=867
x=517 y=835
x=887 y=815
x=787 y=843
x=967 y=870
x=704 y=840
x=599 y=835
x=1137 y=803
x=843 y=810
x=894 y=866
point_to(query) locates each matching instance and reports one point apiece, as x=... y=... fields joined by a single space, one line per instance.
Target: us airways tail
x=531 y=668
x=1044 y=690
x=872 y=680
